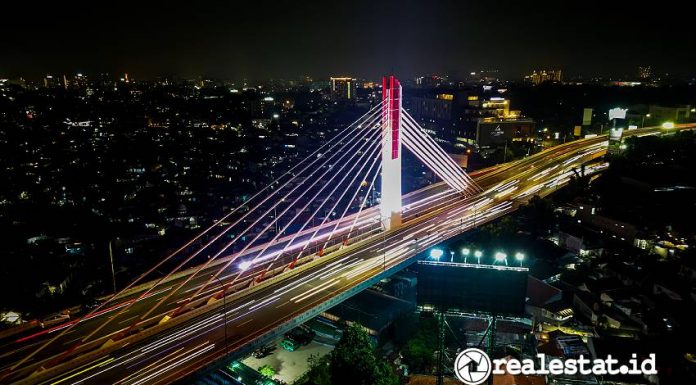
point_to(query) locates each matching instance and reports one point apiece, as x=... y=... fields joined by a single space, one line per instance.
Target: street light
x=465 y=253
x=501 y=257
x=436 y=254
x=244 y=265
x=478 y=254
x=519 y=257
x=668 y=125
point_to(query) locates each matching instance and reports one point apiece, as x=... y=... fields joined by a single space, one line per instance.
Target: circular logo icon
x=472 y=366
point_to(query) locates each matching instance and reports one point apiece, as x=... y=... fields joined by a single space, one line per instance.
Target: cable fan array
x=317 y=205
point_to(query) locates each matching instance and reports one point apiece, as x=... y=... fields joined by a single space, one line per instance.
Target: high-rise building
x=51 y=81
x=343 y=88
x=645 y=72
x=430 y=81
x=500 y=125
x=79 y=81
x=498 y=107
x=542 y=76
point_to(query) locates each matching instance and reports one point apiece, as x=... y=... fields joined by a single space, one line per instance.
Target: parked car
x=264 y=351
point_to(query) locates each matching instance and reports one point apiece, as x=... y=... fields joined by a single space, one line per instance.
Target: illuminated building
x=645 y=72
x=438 y=108
x=430 y=81
x=79 y=81
x=542 y=76
x=496 y=132
x=343 y=88
x=460 y=117
x=498 y=107
x=501 y=125
x=486 y=75
x=51 y=81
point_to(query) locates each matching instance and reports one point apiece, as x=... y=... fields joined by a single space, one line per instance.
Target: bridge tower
x=390 y=206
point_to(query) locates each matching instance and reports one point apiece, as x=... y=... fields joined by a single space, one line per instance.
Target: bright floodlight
x=478 y=254
x=466 y=251
x=500 y=257
x=519 y=256
x=436 y=253
x=244 y=265
x=668 y=125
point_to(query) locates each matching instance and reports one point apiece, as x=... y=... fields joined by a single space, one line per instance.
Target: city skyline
x=288 y=40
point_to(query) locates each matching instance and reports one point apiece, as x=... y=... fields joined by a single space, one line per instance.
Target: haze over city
x=286 y=39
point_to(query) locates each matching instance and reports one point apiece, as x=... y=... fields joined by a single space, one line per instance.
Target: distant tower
x=390 y=206
x=343 y=88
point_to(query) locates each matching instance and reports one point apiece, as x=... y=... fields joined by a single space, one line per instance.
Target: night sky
x=270 y=39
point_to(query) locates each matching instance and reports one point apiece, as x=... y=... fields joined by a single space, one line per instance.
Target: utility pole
x=491 y=340
x=224 y=310
x=441 y=346
x=113 y=273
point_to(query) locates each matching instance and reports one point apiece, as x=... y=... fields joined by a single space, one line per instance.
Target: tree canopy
x=352 y=362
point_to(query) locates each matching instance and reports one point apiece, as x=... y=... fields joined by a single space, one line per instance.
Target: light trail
x=414 y=230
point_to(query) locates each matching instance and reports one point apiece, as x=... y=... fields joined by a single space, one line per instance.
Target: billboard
x=617 y=113
x=467 y=287
x=586 y=116
x=496 y=133
x=615 y=134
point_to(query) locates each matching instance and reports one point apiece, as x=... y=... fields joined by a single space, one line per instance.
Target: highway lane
x=21 y=341
x=19 y=344
x=139 y=307
x=499 y=175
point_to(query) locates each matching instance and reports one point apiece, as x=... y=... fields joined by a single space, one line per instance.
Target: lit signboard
x=617 y=113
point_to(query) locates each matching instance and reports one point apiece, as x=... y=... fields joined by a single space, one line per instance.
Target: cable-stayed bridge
x=312 y=238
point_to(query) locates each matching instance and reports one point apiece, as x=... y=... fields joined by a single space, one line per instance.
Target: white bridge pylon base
x=390 y=205
x=398 y=126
